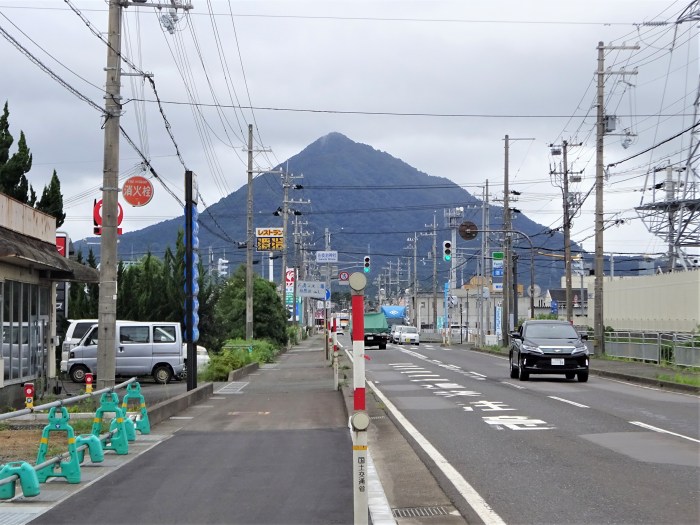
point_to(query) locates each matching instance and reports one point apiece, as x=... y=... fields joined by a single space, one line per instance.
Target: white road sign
x=315 y=289
x=327 y=256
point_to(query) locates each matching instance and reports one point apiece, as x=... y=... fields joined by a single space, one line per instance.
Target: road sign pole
x=359 y=421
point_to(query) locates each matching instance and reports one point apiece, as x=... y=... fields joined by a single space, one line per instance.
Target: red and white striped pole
x=359 y=421
x=336 y=379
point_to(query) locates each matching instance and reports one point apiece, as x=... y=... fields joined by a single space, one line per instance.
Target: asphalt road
x=547 y=450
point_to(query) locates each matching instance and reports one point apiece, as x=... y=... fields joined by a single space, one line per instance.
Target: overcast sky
x=435 y=83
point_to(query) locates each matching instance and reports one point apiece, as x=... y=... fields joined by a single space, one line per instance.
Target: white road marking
x=567 y=401
x=477 y=374
x=232 y=388
x=519 y=387
x=662 y=431
x=485 y=512
x=181 y=417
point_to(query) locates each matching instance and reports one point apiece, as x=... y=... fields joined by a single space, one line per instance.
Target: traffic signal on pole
x=366 y=264
x=447 y=250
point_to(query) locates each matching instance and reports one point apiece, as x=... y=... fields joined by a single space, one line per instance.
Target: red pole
x=358 y=348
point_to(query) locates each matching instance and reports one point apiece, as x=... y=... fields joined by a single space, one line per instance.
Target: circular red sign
x=137 y=191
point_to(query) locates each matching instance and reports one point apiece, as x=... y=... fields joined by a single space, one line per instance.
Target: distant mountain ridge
x=368 y=202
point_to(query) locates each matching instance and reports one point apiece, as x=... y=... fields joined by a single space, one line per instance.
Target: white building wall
x=668 y=302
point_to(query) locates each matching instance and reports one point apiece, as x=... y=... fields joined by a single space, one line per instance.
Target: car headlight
x=580 y=350
x=532 y=349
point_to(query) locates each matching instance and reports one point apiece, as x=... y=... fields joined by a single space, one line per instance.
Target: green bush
x=236 y=354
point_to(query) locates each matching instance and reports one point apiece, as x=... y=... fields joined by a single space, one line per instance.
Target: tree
x=51 y=201
x=13 y=169
x=13 y=174
x=82 y=298
x=269 y=314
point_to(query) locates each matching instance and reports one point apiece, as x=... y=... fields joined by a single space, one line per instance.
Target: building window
x=24 y=317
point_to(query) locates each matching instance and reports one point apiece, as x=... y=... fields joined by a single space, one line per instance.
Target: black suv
x=548 y=347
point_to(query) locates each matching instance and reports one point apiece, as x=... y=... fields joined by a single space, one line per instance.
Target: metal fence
x=682 y=349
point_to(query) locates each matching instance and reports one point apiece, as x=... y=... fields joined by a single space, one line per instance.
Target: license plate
x=370 y=338
x=557 y=362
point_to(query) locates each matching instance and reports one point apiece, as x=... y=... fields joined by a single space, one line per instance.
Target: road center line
x=567 y=401
x=473 y=498
x=662 y=431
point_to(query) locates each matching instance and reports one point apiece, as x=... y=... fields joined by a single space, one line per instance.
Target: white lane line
x=567 y=401
x=519 y=387
x=662 y=431
x=477 y=374
x=474 y=499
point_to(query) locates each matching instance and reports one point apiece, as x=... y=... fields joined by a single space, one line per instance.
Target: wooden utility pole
x=107 y=302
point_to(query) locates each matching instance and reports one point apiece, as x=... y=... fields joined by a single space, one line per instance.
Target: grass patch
x=680 y=379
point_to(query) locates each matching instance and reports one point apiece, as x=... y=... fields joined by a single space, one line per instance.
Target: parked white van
x=142 y=348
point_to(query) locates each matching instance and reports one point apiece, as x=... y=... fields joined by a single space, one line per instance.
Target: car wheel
x=162 y=374
x=513 y=368
x=570 y=375
x=523 y=374
x=583 y=376
x=382 y=347
x=77 y=373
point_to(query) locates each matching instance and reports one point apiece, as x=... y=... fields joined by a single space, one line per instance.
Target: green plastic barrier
x=69 y=469
x=28 y=479
x=133 y=392
x=94 y=447
x=109 y=404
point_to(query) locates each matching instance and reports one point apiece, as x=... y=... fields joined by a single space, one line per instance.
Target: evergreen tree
x=269 y=314
x=51 y=201
x=13 y=169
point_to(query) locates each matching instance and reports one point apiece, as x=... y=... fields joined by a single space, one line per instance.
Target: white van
x=142 y=348
x=77 y=328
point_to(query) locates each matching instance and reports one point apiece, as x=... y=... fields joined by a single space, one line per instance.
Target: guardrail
x=122 y=430
x=682 y=349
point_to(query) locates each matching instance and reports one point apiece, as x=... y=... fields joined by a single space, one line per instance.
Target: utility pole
x=568 y=215
x=598 y=317
x=505 y=321
x=434 y=234
x=249 y=243
x=508 y=282
x=107 y=302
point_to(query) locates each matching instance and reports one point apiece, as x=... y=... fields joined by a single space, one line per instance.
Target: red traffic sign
x=137 y=191
x=344 y=276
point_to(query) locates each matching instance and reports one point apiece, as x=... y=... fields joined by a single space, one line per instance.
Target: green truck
x=376 y=330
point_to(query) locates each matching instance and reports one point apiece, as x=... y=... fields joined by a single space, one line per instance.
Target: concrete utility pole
x=505 y=320
x=107 y=302
x=598 y=317
x=249 y=243
x=508 y=281
x=565 y=173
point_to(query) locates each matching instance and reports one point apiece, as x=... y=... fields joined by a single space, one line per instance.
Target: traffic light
x=447 y=250
x=222 y=266
x=366 y=264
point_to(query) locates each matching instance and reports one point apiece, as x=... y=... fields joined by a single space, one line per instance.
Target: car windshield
x=551 y=331
x=410 y=330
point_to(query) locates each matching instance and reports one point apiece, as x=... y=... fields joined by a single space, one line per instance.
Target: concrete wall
x=667 y=302
x=26 y=220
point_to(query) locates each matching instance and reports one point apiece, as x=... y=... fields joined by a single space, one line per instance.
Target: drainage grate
x=419 y=512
